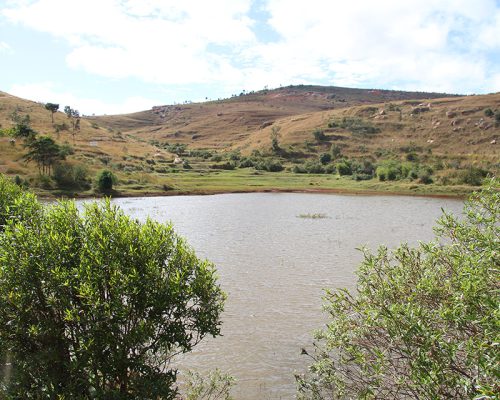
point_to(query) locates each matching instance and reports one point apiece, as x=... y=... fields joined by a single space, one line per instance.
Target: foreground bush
x=94 y=304
x=15 y=204
x=423 y=323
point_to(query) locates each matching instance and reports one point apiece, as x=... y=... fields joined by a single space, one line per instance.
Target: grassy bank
x=249 y=180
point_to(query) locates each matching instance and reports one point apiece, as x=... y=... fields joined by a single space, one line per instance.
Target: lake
x=274 y=266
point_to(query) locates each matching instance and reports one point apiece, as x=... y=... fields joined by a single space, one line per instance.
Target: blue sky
x=116 y=56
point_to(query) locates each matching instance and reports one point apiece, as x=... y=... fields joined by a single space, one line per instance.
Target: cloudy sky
x=114 y=56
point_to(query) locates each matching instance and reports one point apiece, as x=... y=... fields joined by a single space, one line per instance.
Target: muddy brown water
x=274 y=266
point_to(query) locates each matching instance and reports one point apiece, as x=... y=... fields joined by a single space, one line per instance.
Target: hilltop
x=375 y=140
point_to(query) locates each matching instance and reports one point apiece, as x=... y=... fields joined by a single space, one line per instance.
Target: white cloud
x=386 y=42
x=48 y=92
x=157 y=41
x=4 y=47
x=450 y=45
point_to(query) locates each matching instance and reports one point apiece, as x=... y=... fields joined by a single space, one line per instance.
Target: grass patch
x=313 y=216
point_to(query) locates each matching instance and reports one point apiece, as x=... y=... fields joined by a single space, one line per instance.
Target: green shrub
x=105 y=181
x=424 y=176
x=201 y=153
x=412 y=156
x=413 y=174
x=177 y=148
x=226 y=166
x=364 y=167
x=406 y=167
x=61 y=127
x=330 y=169
x=388 y=170
x=71 y=176
x=472 y=176
x=313 y=167
x=275 y=166
x=161 y=170
x=319 y=135
x=44 y=182
x=22 y=183
x=275 y=136
x=215 y=386
x=16 y=204
x=269 y=165
x=335 y=151
x=234 y=156
x=422 y=323
x=66 y=150
x=393 y=107
x=94 y=304
x=489 y=112
x=362 y=177
x=344 y=168
x=325 y=158
x=246 y=163
x=411 y=148
x=104 y=159
x=299 y=169
x=355 y=125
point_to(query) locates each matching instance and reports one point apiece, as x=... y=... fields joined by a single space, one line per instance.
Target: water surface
x=275 y=265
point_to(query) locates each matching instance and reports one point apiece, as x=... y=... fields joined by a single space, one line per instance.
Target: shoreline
x=204 y=192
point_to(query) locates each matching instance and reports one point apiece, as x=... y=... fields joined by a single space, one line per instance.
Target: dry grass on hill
x=94 y=145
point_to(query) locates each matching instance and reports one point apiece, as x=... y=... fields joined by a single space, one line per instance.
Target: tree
x=52 y=107
x=423 y=322
x=22 y=127
x=275 y=135
x=74 y=117
x=45 y=152
x=94 y=304
x=105 y=181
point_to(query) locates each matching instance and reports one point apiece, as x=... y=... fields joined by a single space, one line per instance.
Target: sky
x=119 y=56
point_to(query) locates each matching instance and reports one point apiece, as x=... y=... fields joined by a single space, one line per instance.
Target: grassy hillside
x=224 y=123
x=94 y=147
x=325 y=138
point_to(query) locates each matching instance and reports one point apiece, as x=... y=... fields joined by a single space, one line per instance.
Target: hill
x=374 y=140
x=222 y=123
